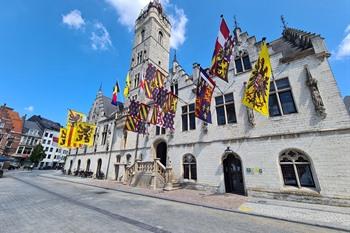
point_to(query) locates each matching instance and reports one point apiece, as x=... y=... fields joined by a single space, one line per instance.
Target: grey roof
x=291 y=46
x=109 y=108
x=31 y=125
x=347 y=103
x=45 y=123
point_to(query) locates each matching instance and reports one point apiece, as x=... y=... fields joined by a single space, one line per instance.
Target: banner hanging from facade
x=205 y=88
x=256 y=95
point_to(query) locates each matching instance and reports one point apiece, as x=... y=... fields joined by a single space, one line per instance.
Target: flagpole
x=110 y=151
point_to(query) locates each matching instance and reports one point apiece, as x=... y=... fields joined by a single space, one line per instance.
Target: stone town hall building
x=301 y=151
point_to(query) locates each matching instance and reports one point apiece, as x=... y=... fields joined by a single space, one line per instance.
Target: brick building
x=11 y=126
x=301 y=152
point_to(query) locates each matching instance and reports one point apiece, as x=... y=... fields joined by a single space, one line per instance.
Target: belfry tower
x=151 y=45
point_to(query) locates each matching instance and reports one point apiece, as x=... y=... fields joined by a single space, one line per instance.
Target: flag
x=134 y=108
x=159 y=96
x=142 y=82
x=70 y=133
x=157 y=116
x=148 y=82
x=131 y=123
x=154 y=115
x=62 y=138
x=168 y=120
x=84 y=134
x=153 y=79
x=205 y=88
x=75 y=117
x=222 y=52
x=256 y=95
x=143 y=112
x=142 y=127
x=150 y=72
x=115 y=93
x=171 y=103
x=159 y=79
x=127 y=86
x=148 y=89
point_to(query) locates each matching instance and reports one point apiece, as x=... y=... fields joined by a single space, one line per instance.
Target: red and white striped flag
x=222 y=52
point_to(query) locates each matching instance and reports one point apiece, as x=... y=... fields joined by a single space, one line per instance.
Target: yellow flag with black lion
x=256 y=95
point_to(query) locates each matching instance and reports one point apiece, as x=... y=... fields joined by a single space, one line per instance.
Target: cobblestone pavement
x=330 y=216
x=32 y=203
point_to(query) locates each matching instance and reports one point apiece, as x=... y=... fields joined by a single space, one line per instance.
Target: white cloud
x=178 y=30
x=29 y=108
x=344 y=47
x=128 y=11
x=73 y=19
x=100 y=38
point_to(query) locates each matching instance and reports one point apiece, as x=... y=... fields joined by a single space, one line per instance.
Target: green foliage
x=37 y=154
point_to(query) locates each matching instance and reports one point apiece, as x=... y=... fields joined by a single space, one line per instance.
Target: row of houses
x=19 y=136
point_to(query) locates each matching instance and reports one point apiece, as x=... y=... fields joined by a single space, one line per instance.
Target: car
x=14 y=165
x=28 y=166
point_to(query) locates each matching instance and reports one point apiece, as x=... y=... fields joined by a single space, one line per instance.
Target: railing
x=130 y=170
x=155 y=167
x=159 y=168
x=145 y=166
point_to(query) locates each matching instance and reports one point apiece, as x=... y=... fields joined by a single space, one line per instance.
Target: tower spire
x=235 y=21
x=284 y=23
x=174 y=60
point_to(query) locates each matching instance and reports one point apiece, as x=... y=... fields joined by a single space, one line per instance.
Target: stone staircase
x=149 y=174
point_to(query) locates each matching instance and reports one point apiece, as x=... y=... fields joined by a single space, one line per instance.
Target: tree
x=37 y=154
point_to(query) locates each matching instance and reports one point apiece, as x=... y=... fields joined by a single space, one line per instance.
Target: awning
x=6 y=158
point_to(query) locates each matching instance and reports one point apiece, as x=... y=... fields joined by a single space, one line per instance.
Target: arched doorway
x=70 y=165
x=99 y=165
x=78 y=167
x=88 y=165
x=161 y=152
x=233 y=174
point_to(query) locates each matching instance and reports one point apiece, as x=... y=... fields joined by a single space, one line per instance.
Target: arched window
x=88 y=165
x=296 y=169
x=128 y=159
x=190 y=167
x=78 y=167
x=160 y=37
x=118 y=158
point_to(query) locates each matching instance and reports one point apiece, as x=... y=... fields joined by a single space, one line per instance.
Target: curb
x=205 y=206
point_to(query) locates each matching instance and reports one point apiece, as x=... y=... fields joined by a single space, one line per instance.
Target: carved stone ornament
x=250 y=112
x=251 y=117
x=315 y=94
x=205 y=127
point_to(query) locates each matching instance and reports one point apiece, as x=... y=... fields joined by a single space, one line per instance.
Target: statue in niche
x=250 y=115
x=315 y=94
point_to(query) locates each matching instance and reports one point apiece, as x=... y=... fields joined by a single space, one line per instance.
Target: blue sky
x=55 y=54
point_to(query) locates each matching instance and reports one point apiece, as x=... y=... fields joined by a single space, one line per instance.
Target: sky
x=54 y=55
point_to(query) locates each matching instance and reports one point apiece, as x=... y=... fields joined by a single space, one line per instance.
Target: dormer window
x=242 y=63
x=160 y=37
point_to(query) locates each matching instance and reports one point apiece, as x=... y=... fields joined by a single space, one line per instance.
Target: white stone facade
x=323 y=140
